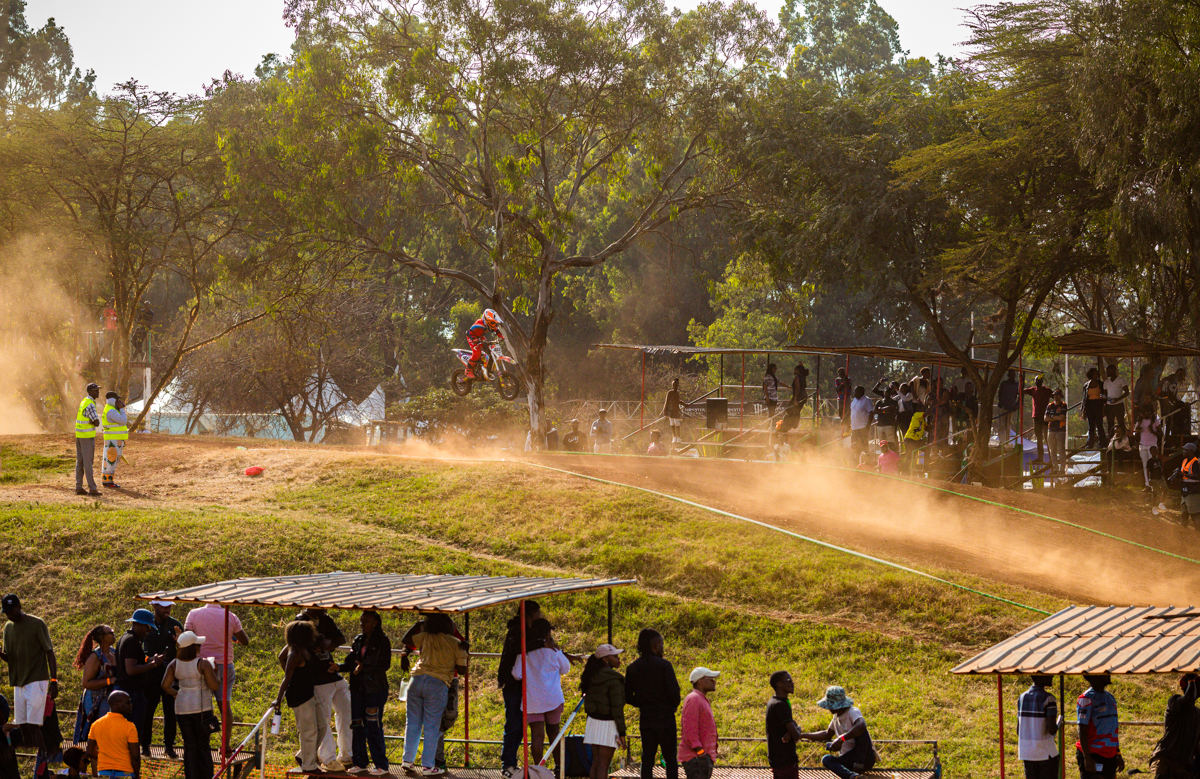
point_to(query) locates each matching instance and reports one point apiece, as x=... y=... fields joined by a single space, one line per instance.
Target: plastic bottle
x=275 y=722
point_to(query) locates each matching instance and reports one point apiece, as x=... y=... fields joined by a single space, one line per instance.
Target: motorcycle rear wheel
x=460 y=383
x=508 y=386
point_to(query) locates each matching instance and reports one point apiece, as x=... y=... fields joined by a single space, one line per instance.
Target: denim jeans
x=838 y=765
x=513 y=726
x=426 y=702
x=366 y=722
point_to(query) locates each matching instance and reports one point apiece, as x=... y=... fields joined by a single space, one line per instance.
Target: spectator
x=782 y=732
x=215 y=622
x=1175 y=412
x=543 y=689
x=160 y=641
x=299 y=679
x=1174 y=756
x=1116 y=389
x=134 y=668
x=922 y=384
x=860 y=422
x=602 y=433
x=1041 y=398
x=32 y=668
x=799 y=387
x=98 y=662
x=368 y=662
x=652 y=689
x=8 y=755
x=1146 y=386
x=904 y=409
x=52 y=738
x=1009 y=400
x=1098 y=750
x=698 y=746
x=442 y=655
x=1037 y=724
x=332 y=691
x=511 y=688
x=886 y=410
x=844 y=388
x=1056 y=432
x=941 y=413
x=86 y=422
x=847 y=735
x=959 y=387
x=657 y=448
x=1093 y=410
x=1187 y=476
x=196 y=681
x=75 y=759
x=115 y=425
x=1120 y=448
x=914 y=436
x=1148 y=430
x=771 y=389
x=604 y=703
x=112 y=745
x=673 y=411
x=889 y=459
x=575 y=441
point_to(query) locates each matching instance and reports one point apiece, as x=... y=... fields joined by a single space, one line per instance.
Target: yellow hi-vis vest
x=113 y=432
x=83 y=425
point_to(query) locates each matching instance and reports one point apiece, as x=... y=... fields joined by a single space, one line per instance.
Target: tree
x=512 y=122
x=836 y=41
x=37 y=67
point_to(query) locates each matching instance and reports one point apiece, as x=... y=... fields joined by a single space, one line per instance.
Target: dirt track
x=891 y=519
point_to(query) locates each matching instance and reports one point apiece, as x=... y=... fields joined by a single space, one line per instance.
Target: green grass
x=744 y=600
x=22 y=467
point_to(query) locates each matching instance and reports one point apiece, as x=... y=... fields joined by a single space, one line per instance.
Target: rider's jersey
x=478 y=332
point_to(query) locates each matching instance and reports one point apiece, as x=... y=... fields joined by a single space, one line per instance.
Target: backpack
x=579 y=757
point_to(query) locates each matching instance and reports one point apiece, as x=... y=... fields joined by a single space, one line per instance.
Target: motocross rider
x=477 y=338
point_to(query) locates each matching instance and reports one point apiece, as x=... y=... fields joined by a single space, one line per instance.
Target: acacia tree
x=523 y=128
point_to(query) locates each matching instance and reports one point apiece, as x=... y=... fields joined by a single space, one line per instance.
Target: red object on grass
x=254 y=470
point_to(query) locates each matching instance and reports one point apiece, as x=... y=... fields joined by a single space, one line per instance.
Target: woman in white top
x=543 y=689
x=197 y=680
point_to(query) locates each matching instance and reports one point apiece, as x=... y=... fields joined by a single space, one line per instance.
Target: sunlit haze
x=180 y=46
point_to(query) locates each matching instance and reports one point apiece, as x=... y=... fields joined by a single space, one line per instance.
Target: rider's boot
x=469 y=373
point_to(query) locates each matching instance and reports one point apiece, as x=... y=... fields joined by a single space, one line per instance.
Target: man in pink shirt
x=698 y=729
x=210 y=621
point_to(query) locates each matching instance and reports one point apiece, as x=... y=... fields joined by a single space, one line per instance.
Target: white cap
x=187 y=638
x=166 y=604
x=607 y=650
x=699 y=673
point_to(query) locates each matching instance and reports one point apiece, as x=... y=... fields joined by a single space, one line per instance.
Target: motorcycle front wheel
x=508 y=385
x=460 y=383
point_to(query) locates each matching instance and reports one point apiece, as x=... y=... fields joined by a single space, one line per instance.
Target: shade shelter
x=386 y=592
x=1093 y=640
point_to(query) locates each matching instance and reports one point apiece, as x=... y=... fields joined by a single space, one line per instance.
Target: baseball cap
x=111 y=394
x=607 y=650
x=187 y=638
x=10 y=603
x=166 y=604
x=142 y=617
x=699 y=673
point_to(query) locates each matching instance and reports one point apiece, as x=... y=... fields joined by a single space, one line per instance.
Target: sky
x=180 y=45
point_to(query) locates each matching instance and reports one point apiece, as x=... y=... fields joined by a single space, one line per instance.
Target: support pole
x=642 y=422
x=1062 y=702
x=1021 y=412
x=721 y=391
x=525 y=696
x=742 y=410
x=467 y=690
x=610 y=612
x=1000 y=704
x=817 y=397
x=225 y=692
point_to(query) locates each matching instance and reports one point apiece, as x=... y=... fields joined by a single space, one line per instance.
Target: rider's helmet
x=491 y=319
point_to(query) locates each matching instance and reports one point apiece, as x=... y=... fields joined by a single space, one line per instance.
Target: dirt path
x=891 y=519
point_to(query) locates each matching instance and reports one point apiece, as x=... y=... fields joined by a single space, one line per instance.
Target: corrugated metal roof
x=382 y=591
x=667 y=349
x=1098 y=639
x=1093 y=343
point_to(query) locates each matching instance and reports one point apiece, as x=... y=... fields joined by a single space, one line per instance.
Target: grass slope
x=745 y=600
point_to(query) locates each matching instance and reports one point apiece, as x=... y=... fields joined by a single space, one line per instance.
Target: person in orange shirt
x=112 y=746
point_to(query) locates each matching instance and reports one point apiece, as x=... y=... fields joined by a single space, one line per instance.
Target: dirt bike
x=496 y=368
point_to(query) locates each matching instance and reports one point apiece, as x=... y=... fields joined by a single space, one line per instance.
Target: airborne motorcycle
x=496 y=368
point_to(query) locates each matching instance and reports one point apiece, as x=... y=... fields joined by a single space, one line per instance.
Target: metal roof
x=1094 y=343
x=381 y=591
x=668 y=349
x=1098 y=639
x=900 y=354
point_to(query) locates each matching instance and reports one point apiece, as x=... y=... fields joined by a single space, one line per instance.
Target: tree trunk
x=981 y=452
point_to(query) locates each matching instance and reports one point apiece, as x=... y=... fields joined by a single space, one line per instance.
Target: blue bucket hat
x=142 y=617
x=835 y=698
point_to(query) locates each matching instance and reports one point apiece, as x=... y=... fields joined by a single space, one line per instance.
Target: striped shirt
x=1035 y=707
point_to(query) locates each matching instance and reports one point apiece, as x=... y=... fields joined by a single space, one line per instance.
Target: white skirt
x=600 y=732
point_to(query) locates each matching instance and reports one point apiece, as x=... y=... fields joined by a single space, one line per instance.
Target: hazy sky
x=179 y=45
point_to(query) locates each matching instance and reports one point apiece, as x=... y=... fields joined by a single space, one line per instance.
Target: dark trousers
x=659 y=733
x=513 y=725
x=85 y=461
x=197 y=754
x=787 y=772
x=154 y=692
x=841 y=766
x=1108 y=767
x=698 y=767
x=1039 y=432
x=366 y=722
x=1114 y=413
x=1094 y=410
x=1042 y=769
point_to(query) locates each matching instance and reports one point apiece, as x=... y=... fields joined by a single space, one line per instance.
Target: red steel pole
x=525 y=696
x=225 y=692
x=1000 y=700
x=467 y=696
x=642 y=423
x=742 y=410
